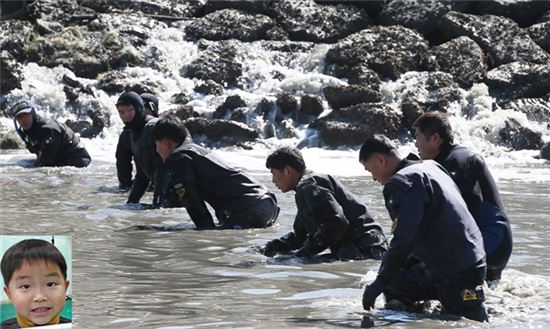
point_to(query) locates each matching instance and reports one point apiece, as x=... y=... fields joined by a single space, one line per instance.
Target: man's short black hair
x=286 y=156
x=170 y=127
x=30 y=250
x=430 y=123
x=376 y=144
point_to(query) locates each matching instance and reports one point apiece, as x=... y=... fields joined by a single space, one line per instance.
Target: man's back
x=56 y=141
x=354 y=211
x=472 y=176
x=431 y=219
x=222 y=186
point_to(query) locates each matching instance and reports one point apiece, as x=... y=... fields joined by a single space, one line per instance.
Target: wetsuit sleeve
x=185 y=185
x=487 y=184
x=161 y=185
x=124 y=160
x=288 y=242
x=327 y=212
x=295 y=239
x=141 y=182
x=406 y=203
x=49 y=146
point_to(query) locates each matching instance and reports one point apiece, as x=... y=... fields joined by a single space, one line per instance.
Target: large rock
x=461 y=57
x=344 y=96
x=59 y=11
x=373 y=7
x=9 y=139
x=160 y=9
x=351 y=126
x=361 y=74
x=432 y=91
x=220 y=132
x=305 y=20
x=287 y=103
x=14 y=10
x=119 y=81
x=233 y=24
x=54 y=10
x=217 y=62
x=501 y=38
x=90 y=50
x=420 y=15
x=231 y=103
x=311 y=105
x=388 y=50
x=540 y=33
x=525 y=13
x=84 y=128
x=520 y=138
x=535 y=109
x=519 y=80
x=183 y=112
x=14 y=36
x=11 y=73
x=209 y=87
x=249 y=6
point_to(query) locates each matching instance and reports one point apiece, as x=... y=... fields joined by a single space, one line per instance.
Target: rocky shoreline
x=446 y=45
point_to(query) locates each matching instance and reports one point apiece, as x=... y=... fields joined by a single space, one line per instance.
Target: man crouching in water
x=329 y=216
x=54 y=143
x=431 y=222
x=197 y=176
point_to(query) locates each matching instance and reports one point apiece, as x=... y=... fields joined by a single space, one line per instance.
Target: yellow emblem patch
x=468 y=295
x=181 y=192
x=394 y=224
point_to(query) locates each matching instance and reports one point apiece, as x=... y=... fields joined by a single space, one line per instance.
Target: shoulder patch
x=181 y=192
x=468 y=294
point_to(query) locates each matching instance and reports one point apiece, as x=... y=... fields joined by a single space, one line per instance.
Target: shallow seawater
x=127 y=278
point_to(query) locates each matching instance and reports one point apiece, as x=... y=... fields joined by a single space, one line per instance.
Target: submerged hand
x=372 y=291
x=273 y=247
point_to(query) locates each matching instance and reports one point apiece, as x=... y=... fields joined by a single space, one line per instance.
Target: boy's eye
x=25 y=286
x=51 y=284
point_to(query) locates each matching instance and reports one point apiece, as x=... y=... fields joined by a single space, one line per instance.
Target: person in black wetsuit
x=328 y=215
x=124 y=153
x=149 y=166
x=434 y=140
x=197 y=176
x=54 y=143
x=430 y=222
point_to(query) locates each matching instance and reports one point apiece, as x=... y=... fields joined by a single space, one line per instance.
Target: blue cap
x=20 y=107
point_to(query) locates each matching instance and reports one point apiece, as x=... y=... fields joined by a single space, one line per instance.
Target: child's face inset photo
x=35 y=277
x=37 y=290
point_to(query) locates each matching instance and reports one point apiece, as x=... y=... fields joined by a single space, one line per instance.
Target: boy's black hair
x=430 y=123
x=376 y=144
x=30 y=250
x=286 y=156
x=170 y=127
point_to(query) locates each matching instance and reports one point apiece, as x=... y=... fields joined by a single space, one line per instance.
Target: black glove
x=275 y=246
x=372 y=291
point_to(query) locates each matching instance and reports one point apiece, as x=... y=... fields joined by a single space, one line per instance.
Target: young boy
x=329 y=216
x=35 y=279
